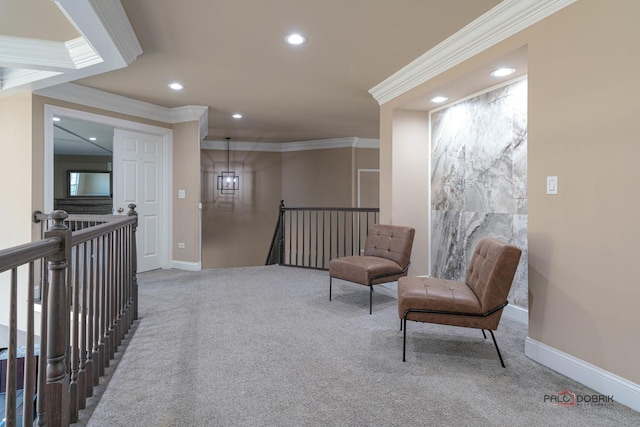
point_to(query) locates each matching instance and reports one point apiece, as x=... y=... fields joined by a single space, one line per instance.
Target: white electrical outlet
x=180 y=245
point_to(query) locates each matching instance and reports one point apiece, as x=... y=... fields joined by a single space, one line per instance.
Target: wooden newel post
x=57 y=394
x=134 y=261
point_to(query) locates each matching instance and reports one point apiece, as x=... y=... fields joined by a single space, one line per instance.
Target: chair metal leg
x=483 y=334
x=497 y=349
x=404 y=339
x=330 y=280
x=370 y=297
x=400 y=324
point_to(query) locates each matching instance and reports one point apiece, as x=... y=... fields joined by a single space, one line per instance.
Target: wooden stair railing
x=88 y=295
x=310 y=237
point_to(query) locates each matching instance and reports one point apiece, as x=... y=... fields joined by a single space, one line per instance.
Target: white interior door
x=139 y=178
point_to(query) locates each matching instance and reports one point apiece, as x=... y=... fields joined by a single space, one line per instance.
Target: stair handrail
x=88 y=303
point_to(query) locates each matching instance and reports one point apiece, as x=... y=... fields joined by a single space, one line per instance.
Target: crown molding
x=285 y=147
x=13 y=77
x=31 y=60
x=116 y=23
x=366 y=143
x=318 y=144
x=187 y=113
x=504 y=20
x=269 y=147
x=107 y=43
x=82 y=54
x=20 y=52
x=89 y=97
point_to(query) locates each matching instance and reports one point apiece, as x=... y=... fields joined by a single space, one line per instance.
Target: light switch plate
x=552 y=185
x=181 y=194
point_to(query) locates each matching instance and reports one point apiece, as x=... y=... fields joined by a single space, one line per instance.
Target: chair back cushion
x=393 y=242
x=491 y=271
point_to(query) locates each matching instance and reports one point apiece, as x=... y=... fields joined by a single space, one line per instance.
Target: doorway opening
x=162 y=233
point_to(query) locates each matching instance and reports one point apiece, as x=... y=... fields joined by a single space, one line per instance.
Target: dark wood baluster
x=42 y=360
x=302 y=260
x=107 y=298
x=290 y=235
x=118 y=288
x=127 y=276
x=82 y=329
x=29 y=365
x=323 y=240
x=124 y=321
x=10 y=398
x=113 y=334
x=94 y=313
x=75 y=313
x=103 y=345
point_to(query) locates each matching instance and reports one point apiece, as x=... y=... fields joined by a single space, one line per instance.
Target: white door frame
x=167 y=140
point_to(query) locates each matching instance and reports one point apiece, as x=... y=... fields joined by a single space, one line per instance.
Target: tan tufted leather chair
x=387 y=255
x=475 y=303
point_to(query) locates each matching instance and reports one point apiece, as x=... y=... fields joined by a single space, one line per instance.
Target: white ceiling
x=231 y=56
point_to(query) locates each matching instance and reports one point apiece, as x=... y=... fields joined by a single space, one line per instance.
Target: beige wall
x=317 y=178
x=583 y=65
x=15 y=170
x=583 y=243
x=410 y=183
x=237 y=229
x=18 y=172
x=186 y=176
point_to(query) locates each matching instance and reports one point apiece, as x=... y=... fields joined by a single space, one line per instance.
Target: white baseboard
x=516 y=313
x=186 y=265
x=603 y=382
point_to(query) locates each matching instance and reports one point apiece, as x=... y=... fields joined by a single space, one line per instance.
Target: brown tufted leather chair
x=387 y=255
x=475 y=303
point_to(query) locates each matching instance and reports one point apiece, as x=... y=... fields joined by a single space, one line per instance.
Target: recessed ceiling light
x=502 y=72
x=56 y=119
x=295 y=39
x=93 y=138
x=237 y=116
x=176 y=86
x=439 y=99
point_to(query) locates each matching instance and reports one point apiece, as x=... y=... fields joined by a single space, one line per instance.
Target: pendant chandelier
x=228 y=181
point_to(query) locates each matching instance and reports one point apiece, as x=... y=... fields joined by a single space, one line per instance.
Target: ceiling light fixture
x=237 y=116
x=93 y=138
x=176 y=86
x=295 y=39
x=56 y=119
x=439 y=99
x=502 y=72
x=228 y=181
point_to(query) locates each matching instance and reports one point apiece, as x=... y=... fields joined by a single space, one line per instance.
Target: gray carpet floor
x=264 y=346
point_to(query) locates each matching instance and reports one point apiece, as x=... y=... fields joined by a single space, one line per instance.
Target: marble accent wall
x=479 y=181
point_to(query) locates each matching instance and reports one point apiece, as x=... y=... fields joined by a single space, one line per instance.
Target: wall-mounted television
x=89 y=183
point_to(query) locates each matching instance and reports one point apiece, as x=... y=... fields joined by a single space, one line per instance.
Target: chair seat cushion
x=360 y=269
x=436 y=294
x=445 y=295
